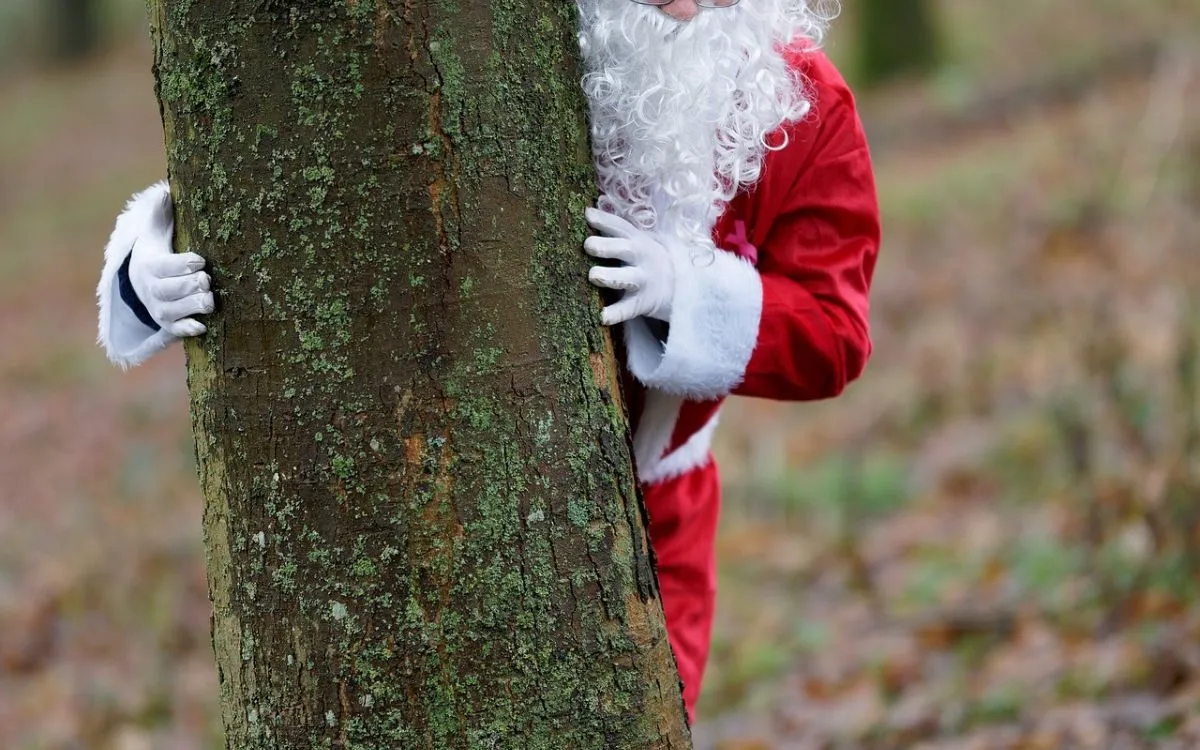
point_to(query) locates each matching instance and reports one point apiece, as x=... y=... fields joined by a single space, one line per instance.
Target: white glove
x=173 y=287
x=647 y=277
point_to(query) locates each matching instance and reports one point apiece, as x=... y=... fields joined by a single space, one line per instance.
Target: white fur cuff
x=715 y=316
x=690 y=456
x=126 y=340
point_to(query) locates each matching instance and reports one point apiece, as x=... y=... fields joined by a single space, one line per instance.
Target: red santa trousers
x=683 y=530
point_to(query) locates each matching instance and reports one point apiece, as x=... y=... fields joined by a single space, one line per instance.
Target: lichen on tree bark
x=421 y=518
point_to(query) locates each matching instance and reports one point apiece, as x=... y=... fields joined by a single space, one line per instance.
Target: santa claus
x=737 y=222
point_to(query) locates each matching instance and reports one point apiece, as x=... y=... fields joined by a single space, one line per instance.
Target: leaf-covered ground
x=988 y=542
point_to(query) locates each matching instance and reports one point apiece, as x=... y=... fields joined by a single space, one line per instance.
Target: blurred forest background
x=991 y=541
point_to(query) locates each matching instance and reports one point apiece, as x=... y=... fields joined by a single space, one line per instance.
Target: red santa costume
x=734 y=137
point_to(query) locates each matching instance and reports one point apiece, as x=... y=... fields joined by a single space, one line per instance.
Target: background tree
x=897 y=38
x=74 y=28
x=422 y=524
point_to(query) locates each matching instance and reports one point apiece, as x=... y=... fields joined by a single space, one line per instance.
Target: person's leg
x=683 y=528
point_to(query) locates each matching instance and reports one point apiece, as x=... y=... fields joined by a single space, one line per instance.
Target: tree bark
x=897 y=39
x=422 y=524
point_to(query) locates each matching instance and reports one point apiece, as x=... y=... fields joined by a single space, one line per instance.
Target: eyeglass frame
x=710 y=4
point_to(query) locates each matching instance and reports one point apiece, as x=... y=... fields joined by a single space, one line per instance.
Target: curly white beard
x=681 y=112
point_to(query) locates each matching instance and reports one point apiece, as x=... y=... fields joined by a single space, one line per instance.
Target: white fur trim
x=660 y=413
x=126 y=340
x=715 y=315
x=691 y=455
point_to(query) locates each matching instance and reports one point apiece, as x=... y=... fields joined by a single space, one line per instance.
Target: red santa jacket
x=782 y=312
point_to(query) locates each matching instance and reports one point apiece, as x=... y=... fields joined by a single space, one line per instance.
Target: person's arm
x=147 y=294
x=816 y=266
x=793 y=328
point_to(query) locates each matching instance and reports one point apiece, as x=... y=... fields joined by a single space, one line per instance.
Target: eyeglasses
x=701 y=3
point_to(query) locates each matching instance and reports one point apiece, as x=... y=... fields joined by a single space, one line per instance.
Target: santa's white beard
x=682 y=113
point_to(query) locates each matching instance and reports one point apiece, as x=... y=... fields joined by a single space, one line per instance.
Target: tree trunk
x=897 y=38
x=422 y=525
